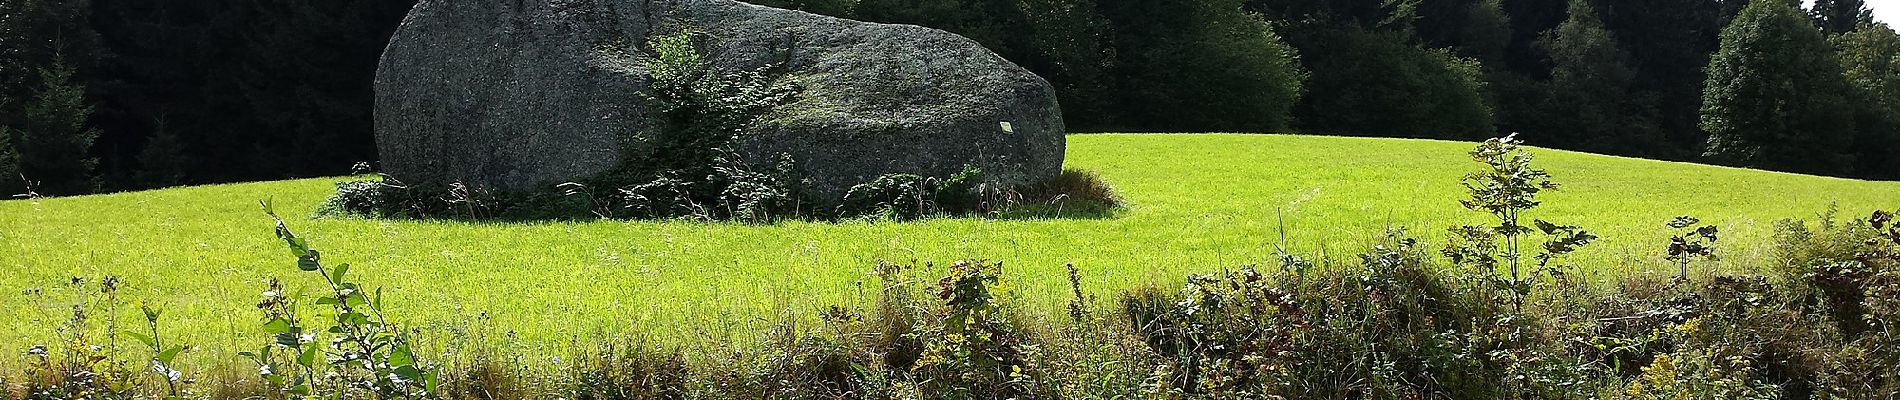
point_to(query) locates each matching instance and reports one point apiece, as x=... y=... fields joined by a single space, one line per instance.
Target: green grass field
x=1197 y=203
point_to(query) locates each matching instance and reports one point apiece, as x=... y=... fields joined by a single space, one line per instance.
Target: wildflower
x=1690 y=327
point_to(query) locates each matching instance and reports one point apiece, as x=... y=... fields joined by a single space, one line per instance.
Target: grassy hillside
x=1198 y=203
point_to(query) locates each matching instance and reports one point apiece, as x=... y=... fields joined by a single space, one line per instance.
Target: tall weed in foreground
x=1506 y=187
x=970 y=346
x=1691 y=242
x=359 y=353
x=163 y=357
x=83 y=364
x=1094 y=354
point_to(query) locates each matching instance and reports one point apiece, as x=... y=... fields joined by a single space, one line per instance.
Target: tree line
x=119 y=94
x=104 y=95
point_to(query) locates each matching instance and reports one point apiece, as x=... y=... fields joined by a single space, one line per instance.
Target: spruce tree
x=9 y=165
x=162 y=162
x=1486 y=34
x=306 y=102
x=55 y=136
x=1669 y=43
x=1775 y=96
x=33 y=34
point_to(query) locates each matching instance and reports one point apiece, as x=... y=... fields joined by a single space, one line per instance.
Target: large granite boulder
x=517 y=95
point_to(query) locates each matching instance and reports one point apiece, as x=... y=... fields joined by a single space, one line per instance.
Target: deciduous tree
x=1587 y=103
x=1377 y=83
x=1775 y=96
x=1870 y=56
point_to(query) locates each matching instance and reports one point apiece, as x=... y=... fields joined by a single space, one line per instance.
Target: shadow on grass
x=1070 y=195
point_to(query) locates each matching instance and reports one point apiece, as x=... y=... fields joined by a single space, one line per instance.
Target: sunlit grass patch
x=1194 y=202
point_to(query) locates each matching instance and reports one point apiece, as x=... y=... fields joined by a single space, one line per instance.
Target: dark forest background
x=107 y=95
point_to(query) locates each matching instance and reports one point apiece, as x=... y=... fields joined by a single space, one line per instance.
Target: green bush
x=970 y=347
x=1073 y=193
x=909 y=196
x=1200 y=66
x=368 y=198
x=1775 y=97
x=1378 y=83
x=1392 y=326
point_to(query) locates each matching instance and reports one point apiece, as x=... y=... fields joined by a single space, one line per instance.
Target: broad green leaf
x=170 y=355
x=277 y=326
x=401 y=356
x=142 y=338
x=337 y=273
x=308 y=264
x=298 y=247
x=409 y=373
x=309 y=357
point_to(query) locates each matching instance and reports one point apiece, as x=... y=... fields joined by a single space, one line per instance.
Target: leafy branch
x=368 y=352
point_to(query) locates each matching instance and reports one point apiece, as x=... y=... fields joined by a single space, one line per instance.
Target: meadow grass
x=1196 y=203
